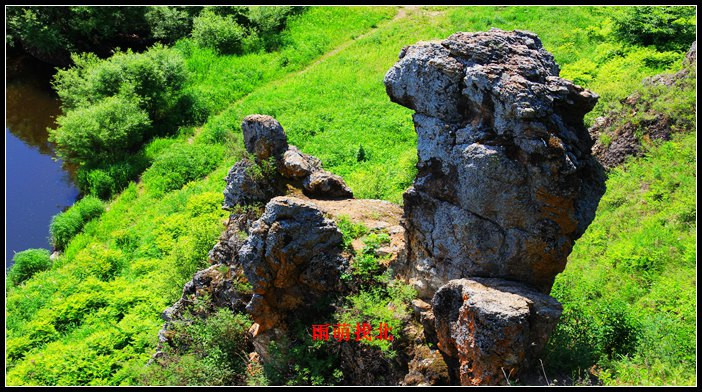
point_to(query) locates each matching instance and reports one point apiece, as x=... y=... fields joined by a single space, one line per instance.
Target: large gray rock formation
x=506 y=182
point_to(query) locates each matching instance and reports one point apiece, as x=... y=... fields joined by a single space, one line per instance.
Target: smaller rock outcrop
x=296 y=164
x=291 y=258
x=264 y=136
x=246 y=186
x=257 y=180
x=321 y=183
x=493 y=328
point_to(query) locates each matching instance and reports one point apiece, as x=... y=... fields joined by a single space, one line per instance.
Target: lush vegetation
x=210 y=352
x=53 y=33
x=669 y=28
x=629 y=291
x=67 y=224
x=26 y=263
x=92 y=316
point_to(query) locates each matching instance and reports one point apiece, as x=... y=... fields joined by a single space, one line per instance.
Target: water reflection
x=37 y=186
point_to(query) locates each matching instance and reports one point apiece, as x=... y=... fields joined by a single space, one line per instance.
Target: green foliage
x=105 y=131
x=367 y=265
x=262 y=170
x=168 y=24
x=668 y=28
x=51 y=33
x=628 y=292
x=209 y=351
x=67 y=224
x=27 y=263
x=108 y=179
x=112 y=106
x=181 y=164
x=267 y=23
x=657 y=109
x=219 y=32
x=350 y=230
x=383 y=303
x=301 y=361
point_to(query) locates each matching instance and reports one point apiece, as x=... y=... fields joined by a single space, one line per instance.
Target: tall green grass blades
x=67 y=224
x=26 y=263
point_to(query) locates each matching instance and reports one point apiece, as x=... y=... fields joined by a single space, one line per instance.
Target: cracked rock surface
x=506 y=182
x=494 y=328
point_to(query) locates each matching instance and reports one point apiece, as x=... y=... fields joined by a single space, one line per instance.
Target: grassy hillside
x=629 y=289
x=93 y=317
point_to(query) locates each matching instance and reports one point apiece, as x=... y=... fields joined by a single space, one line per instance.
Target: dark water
x=37 y=187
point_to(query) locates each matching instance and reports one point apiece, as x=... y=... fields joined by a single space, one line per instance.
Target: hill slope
x=93 y=318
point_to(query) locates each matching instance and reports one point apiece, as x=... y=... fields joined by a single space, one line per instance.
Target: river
x=37 y=186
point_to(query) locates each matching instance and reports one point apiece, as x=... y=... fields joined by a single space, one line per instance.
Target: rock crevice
x=506 y=183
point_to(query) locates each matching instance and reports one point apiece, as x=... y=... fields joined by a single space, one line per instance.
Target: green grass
x=629 y=289
x=93 y=317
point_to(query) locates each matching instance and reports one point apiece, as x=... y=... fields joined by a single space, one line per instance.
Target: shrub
x=181 y=164
x=27 y=263
x=106 y=131
x=111 y=106
x=210 y=351
x=219 y=32
x=156 y=76
x=169 y=24
x=51 y=33
x=67 y=224
x=268 y=22
x=668 y=28
x=108 y=179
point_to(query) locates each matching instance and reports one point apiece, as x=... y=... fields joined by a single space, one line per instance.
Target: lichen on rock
x=506 y=182
x=291 y=257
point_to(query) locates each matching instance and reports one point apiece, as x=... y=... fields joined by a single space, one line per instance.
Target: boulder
x=506 y=182
x=323 y=184
x=244 y=187
x=291 y=258
x=495 y=329
x=296 y=164
x=264 y=136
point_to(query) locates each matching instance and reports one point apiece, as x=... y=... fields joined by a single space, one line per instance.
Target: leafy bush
x=155 y=76
x=668 y=28
x=219 y=32
x=67 y=224
x=181 y=164
x=112 y=106
x=51 y=33
x=26 y=263
x=168 y=24
x=267 y=23
x=106 y=180
x=209 y=351
x=104 y=132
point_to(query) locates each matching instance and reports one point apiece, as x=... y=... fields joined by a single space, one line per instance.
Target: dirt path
x=401 y=13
